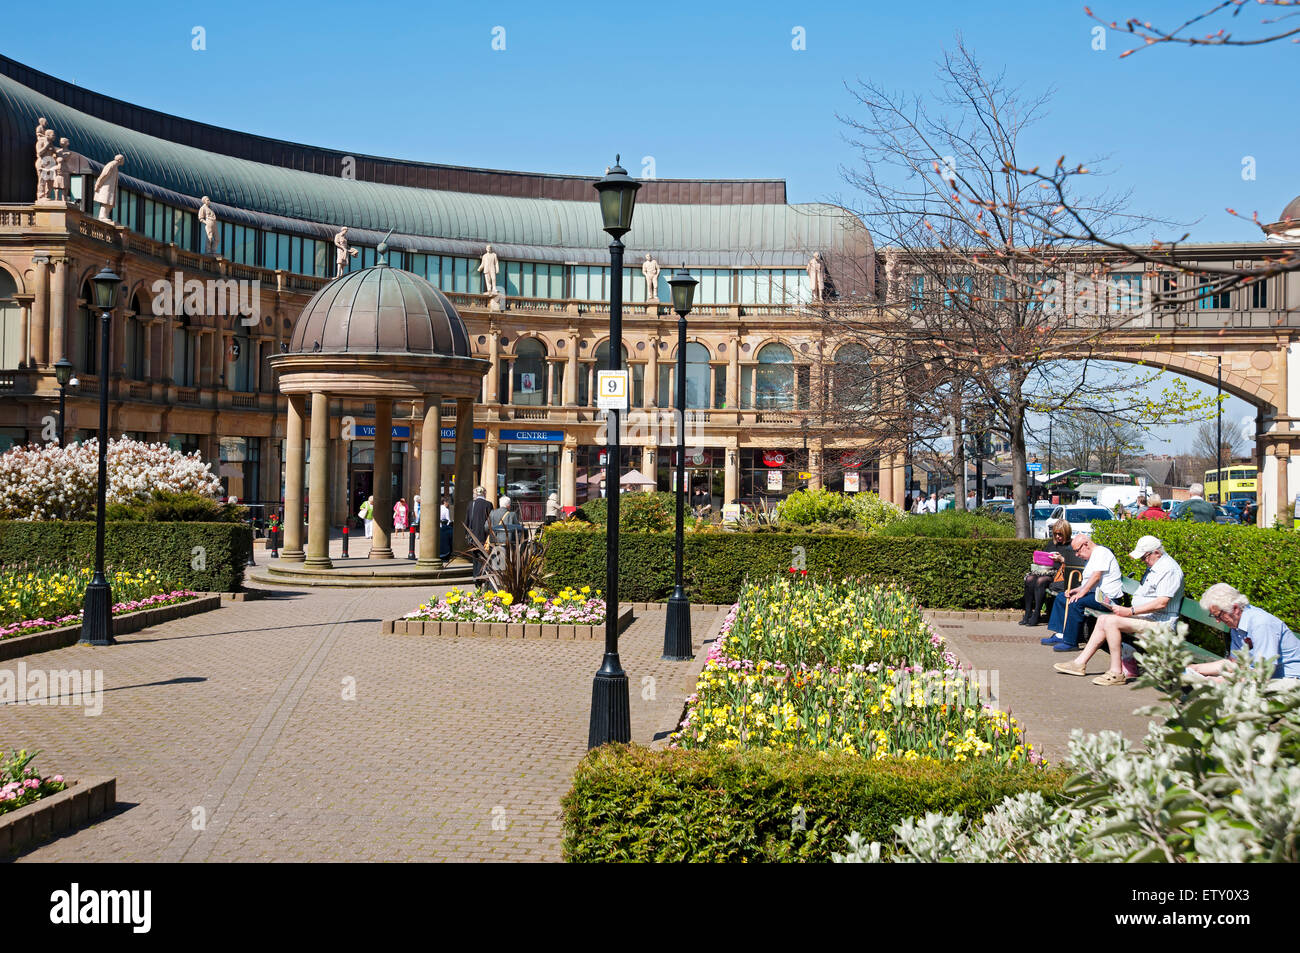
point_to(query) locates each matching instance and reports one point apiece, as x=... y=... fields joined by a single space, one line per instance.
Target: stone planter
x=122 y=624
x=81 y=802
x=503 y=630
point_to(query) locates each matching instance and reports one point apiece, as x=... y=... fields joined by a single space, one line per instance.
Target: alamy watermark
x=224 y=297
x=46 y=686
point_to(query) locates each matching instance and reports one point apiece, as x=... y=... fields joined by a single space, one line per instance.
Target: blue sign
x=368 y=430
x=543 y=436
x=449 y=433
x=1034 y=467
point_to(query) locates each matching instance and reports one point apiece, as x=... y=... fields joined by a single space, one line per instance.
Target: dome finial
x=381 y=250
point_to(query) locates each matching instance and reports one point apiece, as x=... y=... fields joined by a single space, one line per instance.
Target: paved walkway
x=233 y=736
x=1050 y=704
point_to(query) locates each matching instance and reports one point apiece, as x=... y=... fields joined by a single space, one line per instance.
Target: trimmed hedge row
x=1262 y=563
x=168 y=548
x=630 y=803
x=940 y=573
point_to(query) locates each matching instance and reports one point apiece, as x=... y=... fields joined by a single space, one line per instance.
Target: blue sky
x=707 y=90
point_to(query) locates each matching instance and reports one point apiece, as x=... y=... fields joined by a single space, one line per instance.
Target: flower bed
x=568 y=607
x=838 y=665
x=20 y=784
x=31 y=626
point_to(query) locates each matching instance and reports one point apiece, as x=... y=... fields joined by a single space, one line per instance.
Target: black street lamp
x=62 y=374
x=97 y=613
x=611 y=718
x=677 y=629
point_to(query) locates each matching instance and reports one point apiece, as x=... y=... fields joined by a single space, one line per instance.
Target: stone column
x=318 y=518
x=464 y=479
x=381 y=545
x=200 y=336
x=815 y=468
x=494 y=375
x=169 y=354
x=733 y=374
x=59 y=312
x=885 y=471
x=569 y=471
x=430 y=457
x=652 y=374
x=650 y=468
x=292 y=551
x=40 y=313
x=489 y=478
x=731 y=477
x=1283 y=451
x=25 y=328
x=571 y=373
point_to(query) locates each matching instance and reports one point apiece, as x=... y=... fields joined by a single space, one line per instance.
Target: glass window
x=322 y=261
x=462 y=275
x=775 y=381
x=1259 y=293
x=1217 y=300
x=853 y=382
x=917 y=298
x=719 y=386
x=529 y=371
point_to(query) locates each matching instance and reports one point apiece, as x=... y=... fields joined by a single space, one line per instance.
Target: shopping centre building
x=221 y=238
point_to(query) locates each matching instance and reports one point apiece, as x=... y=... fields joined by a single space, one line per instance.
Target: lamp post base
x=97 y=613
x=677 y=630
x=611 y=719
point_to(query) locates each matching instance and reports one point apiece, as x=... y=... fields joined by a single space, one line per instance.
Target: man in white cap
x=1157 y=600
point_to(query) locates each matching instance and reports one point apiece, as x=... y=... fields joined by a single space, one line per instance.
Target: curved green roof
x=741 y=235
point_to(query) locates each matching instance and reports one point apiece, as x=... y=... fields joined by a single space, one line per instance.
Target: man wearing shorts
x=1158 y=598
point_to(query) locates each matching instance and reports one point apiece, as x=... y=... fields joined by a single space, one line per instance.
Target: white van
x=1125 y=496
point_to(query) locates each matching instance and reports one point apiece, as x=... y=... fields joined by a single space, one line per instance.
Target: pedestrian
x=1153 y=511
x=415 y=513
x=444 y=511
x=1100 y=580
x=367 y=514
x=399 y=516
x=476 y=524
x=972 y=501
x=552 y=508
x=1157 y=601
x=504 y=522
x=929 y=504
x=1262 y=635
x=1197 y=509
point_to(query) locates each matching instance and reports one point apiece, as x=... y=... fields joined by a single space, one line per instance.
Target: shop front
x=850 y=471
x=447 y=467
x=593 y=466
x=528 y=462
x=361 y=467
x=769 y=475
x=705 y=477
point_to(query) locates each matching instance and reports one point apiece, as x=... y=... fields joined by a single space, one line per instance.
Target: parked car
x=1080 y=516
x=1039 y=514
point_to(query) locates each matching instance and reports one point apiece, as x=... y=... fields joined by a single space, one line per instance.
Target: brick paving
x=1050 y=704
x=452 y=749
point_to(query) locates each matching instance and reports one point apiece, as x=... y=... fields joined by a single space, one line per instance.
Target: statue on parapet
x=489 y=265
x=650 y=268
x=344 y=252
x=817 y=276
x=106 y=188
x=211 y=232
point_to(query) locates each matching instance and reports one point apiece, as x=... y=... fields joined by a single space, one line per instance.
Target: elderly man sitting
x=1158 y=598
x=1100 y=585
x=1262 y=634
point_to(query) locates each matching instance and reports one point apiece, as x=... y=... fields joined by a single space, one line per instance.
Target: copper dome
x=380 y=310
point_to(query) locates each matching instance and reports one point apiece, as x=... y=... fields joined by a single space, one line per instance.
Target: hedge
x=1262 y=563
x=168 y=548
x=630 y=803
x=941 y=573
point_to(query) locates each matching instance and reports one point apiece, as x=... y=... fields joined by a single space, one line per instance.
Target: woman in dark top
x=1040 y=578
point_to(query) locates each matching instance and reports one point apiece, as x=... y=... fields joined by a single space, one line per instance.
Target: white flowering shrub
x=58 y=483
x=1218 y=782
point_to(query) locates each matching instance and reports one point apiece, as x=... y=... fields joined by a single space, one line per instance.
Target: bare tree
x=974 y=327
x=1269 y=30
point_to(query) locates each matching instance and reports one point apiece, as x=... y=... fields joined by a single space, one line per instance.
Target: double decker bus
x=1239 y=483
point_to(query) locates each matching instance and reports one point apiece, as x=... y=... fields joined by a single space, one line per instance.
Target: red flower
x=804 y=571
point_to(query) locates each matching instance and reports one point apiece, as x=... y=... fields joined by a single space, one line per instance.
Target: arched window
x=84 y=339
x=698 y=378
x=774 y=378
x=11 y=332
x=528 y=371
x=136 y=330
x=854 y=385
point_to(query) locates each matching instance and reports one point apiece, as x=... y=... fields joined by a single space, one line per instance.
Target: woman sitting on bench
x=1158 y=598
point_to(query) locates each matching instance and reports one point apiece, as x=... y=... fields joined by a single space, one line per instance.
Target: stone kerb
x=505 y=630
x=64 y=636
x=80 y=802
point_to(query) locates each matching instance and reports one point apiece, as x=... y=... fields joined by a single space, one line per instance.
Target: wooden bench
x=1190 y=609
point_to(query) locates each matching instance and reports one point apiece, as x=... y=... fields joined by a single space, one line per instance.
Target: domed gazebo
x=380 y=334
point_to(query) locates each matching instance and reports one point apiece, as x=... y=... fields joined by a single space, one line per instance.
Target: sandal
x=1070 y=668
x=1111 y=678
